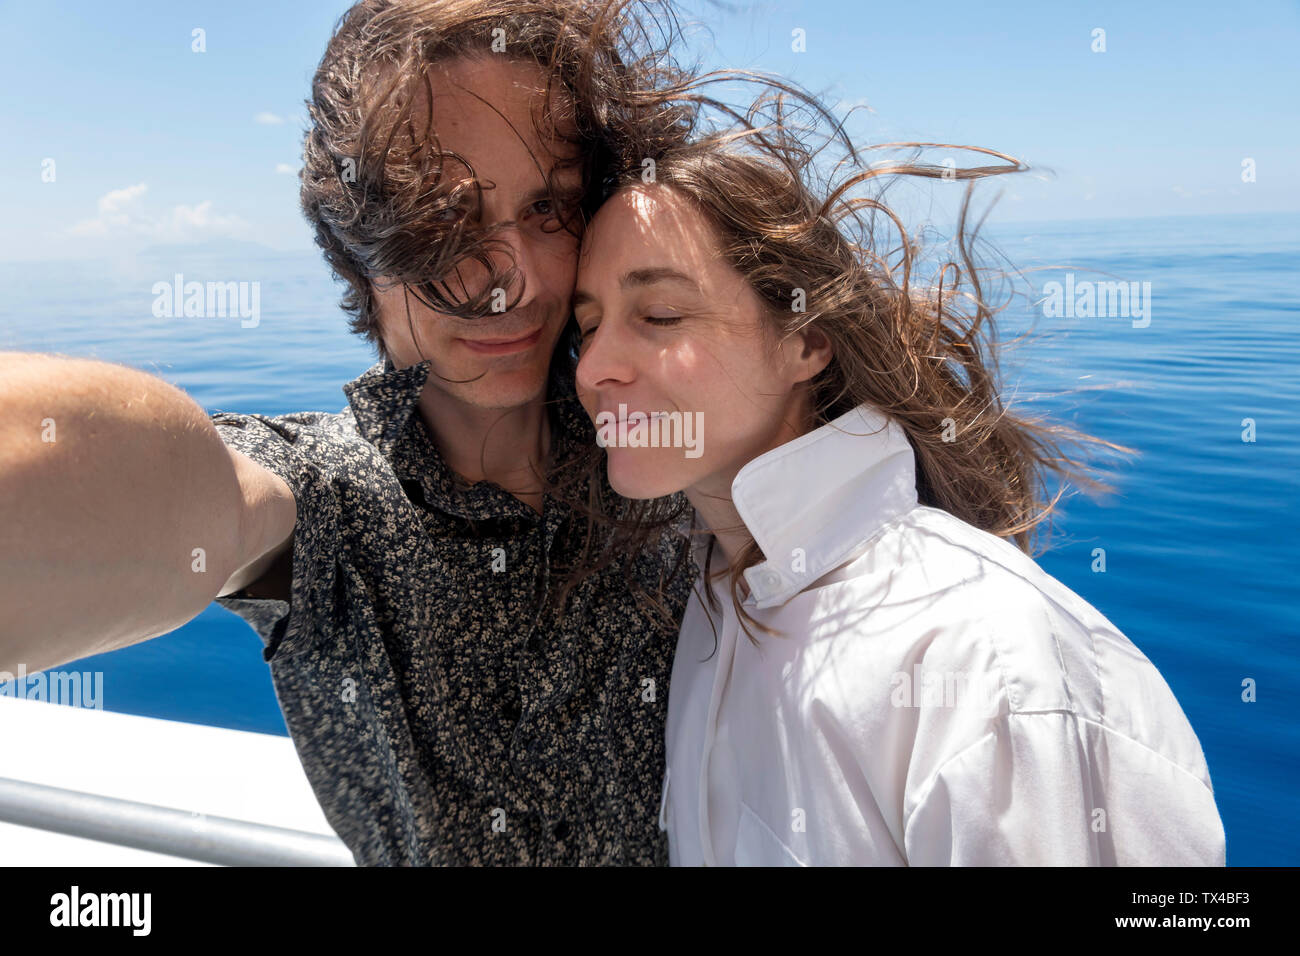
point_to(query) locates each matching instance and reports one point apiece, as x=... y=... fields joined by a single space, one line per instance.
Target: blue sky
x=152 y=142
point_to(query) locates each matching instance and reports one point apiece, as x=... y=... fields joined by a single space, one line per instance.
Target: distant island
x=219 y=247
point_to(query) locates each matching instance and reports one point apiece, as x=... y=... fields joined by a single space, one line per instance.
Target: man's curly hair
x=385 y=200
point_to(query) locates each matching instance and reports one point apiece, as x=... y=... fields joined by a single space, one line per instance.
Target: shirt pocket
x=757 y=845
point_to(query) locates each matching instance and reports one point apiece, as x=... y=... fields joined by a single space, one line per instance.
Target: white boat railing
x=178 y=833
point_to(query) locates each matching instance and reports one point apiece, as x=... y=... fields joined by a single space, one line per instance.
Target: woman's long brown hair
x=785 y=218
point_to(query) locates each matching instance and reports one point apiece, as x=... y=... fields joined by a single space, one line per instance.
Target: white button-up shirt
x=936 y=698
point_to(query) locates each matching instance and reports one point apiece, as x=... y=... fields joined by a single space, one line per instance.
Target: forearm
x=120 y=509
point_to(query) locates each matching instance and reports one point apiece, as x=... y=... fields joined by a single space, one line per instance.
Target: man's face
x=498 y=360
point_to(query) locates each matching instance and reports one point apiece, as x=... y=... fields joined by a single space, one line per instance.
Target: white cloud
x=285 y=168
x=121 y=215
x=112 y=202
x=89 y=229
x=268 y=119
x=201 y=218
x=114 y=213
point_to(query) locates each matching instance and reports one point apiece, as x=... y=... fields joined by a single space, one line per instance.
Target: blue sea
x=1200 y=554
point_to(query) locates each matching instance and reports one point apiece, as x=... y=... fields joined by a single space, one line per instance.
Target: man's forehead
x=483 y=106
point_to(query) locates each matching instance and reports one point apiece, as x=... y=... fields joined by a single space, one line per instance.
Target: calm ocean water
x=1200 y=564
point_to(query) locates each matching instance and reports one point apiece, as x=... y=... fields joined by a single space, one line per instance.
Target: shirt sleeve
x=1052 y=789
x=284 y=446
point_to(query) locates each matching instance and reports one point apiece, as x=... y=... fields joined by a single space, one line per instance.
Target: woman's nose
x=603 y=359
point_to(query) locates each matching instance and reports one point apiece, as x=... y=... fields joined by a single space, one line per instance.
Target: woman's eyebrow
x=643 y=277
x=638 y=278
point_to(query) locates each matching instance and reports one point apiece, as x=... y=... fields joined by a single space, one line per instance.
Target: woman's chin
x=633 y=479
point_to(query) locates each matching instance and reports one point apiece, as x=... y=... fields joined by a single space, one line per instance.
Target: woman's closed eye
x=660 y=320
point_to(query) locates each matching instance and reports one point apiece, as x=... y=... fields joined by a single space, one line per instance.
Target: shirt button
x=771 y=580
x=561 y=829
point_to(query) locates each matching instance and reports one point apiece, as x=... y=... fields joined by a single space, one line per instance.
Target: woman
x=924 y=692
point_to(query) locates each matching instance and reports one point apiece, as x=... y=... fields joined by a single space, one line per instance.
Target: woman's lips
x=504 y=348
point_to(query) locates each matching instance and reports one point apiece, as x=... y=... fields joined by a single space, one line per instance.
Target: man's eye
x=551 y=208
x=557 y=205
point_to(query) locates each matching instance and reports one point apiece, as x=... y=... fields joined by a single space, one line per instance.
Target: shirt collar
x=385 y=400
x=814 y=503
x=382 y=400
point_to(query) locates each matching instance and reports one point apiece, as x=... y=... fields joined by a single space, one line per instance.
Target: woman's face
x=669 y=327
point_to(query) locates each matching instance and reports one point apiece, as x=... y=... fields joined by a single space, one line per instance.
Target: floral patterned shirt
x=443 y=711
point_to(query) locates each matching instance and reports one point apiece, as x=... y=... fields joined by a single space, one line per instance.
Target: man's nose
x=511 y=247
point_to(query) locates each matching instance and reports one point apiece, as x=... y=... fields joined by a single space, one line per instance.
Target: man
x=456 y=694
